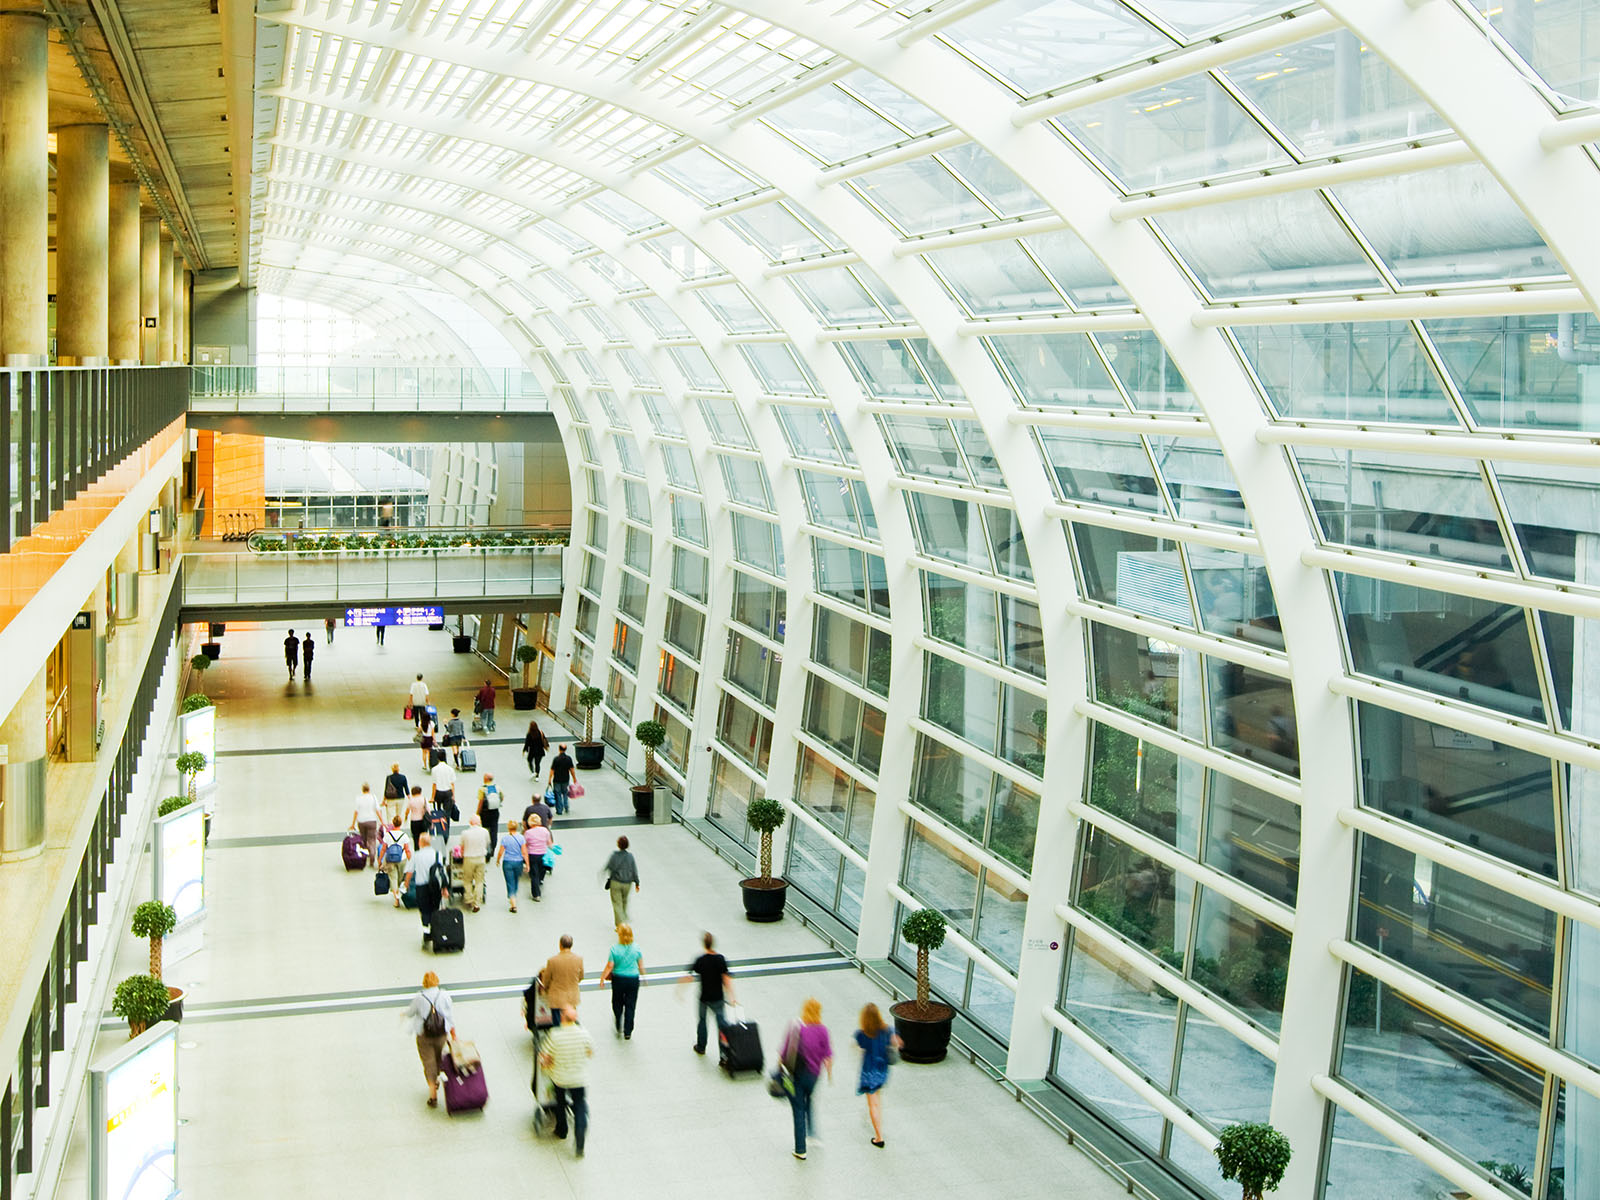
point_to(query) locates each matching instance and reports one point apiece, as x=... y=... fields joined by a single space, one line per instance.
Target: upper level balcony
x=386 y=389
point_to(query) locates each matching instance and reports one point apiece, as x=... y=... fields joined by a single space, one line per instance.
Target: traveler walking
x=623 y=967
x=291 y=653
x=875 y=1039
x=426 y=873
x=509 y=855
x=417 y=814
x=485 y=704
x=540 y=808
x=474 y=854
x=327 y=624
x=377 y=632
x=444 y=787
x=364 y=821
x=488 y=809
x=561 y=768
x=536 y=844
x=432 y=1019
x=419 y=700
x=566 y=1054
x=395 y=790
x=716 y=989
x=534 y=744
x=622 y=872
x=455 y=734
x=396 y=850
x=560 y=976
x=806 y=1052
x=427 y=730
x=308 y=650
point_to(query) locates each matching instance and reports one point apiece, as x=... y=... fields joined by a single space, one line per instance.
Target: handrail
x=404 y=540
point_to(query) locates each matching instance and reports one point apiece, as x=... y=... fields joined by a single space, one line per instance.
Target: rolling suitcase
x=380 y=883
x=447 y=932
x=353 y=852
x=739 y=1047
x=469 y=758
x=464 y=1091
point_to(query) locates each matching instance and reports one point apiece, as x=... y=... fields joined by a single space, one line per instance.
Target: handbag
x=408 y=712
x=780 y=1084
x=416 y=736
x=464 y=1054
x=575 y=791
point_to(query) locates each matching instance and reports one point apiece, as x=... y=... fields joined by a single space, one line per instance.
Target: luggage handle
x=733 y=1014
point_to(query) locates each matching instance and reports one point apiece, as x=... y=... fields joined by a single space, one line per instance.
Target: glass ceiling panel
x=1450 y=225
x=1037 y=45
x=833 y=125
x=1108 y=469
x=888 y=370
x=1192 y=18
x=1555 y=512
x=882 y=293
x=1559 y=39
x=836 y=295
x=663 y=418
x=981 y=462
x=921 y=196
x=683 y=256
x=996 y=279
x=925 y=447
x=997 y=184
x=726 y=425
x=779 y=369
x=1513 y=373
x=1271 y=245
x=1419 y=506
x=814 y=433
x=660 y=316
x=1178 y=132
x=623 y=212
x=696 y=368
x=734 y=310
x=680 y=466
x=780 y=234
x=882 y=96
x=1199 y=481
x=706 y=177
x=1076 y=270
x=1347 y=372
x=1147 y=374
x=1331 y=93
x=1055 y=369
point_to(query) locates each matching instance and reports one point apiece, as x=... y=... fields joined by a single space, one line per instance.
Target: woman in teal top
x=623 y=967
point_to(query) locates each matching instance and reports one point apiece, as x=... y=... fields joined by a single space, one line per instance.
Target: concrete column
x=22 y=774
x=83 y=199
x=149 y=290
x=164 y=327
x=122 y=281
x=180 y=311
x=24 y=189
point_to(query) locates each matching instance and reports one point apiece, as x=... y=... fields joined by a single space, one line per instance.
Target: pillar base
x=22 y=816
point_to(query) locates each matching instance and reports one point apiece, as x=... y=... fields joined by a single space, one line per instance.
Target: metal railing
x=365 y=389
x=65 y=427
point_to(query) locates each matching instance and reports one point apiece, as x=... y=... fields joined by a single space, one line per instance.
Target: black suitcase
x=447 y=932
x=435 y=756
x=739 y=1048
x=469 y=758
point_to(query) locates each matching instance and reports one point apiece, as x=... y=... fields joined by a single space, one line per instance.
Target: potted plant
x=171 y=804
x=154 y=920
x=590 y=753
x=212 y=648
x=650 y=735
x=191 y=764
x=764 y=896
x=1254 y=1155
x=196 y=702
x=527 y=696
x=141 y=1001
x=923 y=1024
x=461 y=640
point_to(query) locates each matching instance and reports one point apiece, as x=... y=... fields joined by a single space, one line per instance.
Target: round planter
x=525 y=699
x=644 y=802
x=174 y=1004
x=212 y=650
x=764 y=899
x=437 y=628
x=461 y=643
x=922 y=1040
x=588 y=755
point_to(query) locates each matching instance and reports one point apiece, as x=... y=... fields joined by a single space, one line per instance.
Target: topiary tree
x=589 y=697
x=172 y=804
x=765 y=815
x=1255 y=1156
x=191 y=764
x=650 y=735
x=526 y=656
x=923 y=929
x=141 y=1001
x=154 y=920
x=201 y=663
x=197 y=701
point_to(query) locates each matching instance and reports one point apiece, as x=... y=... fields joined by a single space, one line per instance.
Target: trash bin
x=661 y=809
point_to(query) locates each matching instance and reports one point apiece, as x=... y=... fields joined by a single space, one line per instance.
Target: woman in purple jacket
x=809 y=1049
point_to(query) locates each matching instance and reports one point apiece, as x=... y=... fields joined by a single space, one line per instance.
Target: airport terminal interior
x=1082 y=512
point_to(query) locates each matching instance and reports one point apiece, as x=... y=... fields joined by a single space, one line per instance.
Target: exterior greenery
x=387 y=541
x=765 y=816
x=650 y=735
x=141 y=1001
x=925 y=930
x=199 y=700
x=589 y=697
x=191 y=764
x=154 y=920
x=1254 y=1155
x=172 y=804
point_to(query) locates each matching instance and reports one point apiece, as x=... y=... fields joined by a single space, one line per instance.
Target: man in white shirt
x=419 y=699
x=443 y=809
x=474 y=853
x=420 y=874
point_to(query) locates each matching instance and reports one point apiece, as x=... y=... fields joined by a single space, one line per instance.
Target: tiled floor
x=323 y=1095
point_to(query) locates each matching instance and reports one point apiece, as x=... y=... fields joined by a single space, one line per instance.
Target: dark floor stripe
x=309 y=839
x=406 y=744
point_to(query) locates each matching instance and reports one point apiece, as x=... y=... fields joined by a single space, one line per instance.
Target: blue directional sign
x=420 y=614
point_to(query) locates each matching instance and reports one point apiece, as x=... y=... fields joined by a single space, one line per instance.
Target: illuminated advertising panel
x=197 y=730
x=180 y=861
x=133 y=1115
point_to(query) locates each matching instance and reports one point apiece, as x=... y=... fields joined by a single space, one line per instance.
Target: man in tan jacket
x=560 y=977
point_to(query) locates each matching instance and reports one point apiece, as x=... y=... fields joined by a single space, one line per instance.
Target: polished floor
x=298 y=1076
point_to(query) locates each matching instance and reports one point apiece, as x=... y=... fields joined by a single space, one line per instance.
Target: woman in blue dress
x=875 y=1039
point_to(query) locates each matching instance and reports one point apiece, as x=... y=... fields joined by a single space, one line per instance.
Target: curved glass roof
x=1235 y=361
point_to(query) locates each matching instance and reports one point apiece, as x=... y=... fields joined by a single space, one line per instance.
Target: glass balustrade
x=365 y=389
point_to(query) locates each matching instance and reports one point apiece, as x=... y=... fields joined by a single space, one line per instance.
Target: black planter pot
x=212 y=650
x=461 y=643
x=216 y=629
x=764 y=903
x=588 y=755
x=174 y=1004
x=437 y=627
x=525 y=699
x=922 y=1040
x=644 y=802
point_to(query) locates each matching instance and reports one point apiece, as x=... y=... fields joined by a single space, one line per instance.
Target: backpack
x=439 y=874
x=433 y=1024
x=491 y=797
x=395 y=851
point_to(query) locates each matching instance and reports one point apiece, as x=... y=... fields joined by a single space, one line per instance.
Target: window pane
x=1253 y=836
x=1135 y=572
x=961 y=614
x=1000 y=921
x=1241 y=958
x=1135 y=896
x=1252 y=715
x=952 y=786
x=1375 y=371
x=1146 y=786
x=1125 y=1008
x=962 y=701
x=943 y=878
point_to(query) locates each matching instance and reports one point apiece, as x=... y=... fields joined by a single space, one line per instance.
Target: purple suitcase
x=464 y=1091
x=353 y=852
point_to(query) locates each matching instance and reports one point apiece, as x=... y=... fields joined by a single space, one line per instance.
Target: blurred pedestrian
x=536 y=844
x=485 y=704
x=875 y=1039
x=488 y=809
x=327 y=624
x=474 y=855
x=364 y=821
x=622 y=874
x=566 y=1054
x=419 y=699
x=716 y=989
x=807 y=1052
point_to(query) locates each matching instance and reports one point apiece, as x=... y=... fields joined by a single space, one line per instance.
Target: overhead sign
x=133 y=1115
x=197 y=730
x=422 y=614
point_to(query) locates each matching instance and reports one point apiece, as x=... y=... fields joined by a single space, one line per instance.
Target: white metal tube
x=1395 y=308
x=869 y=333
x=806 y=464
x=1552 y=598
x=1570 y=131
x=1548 y=450
x=819 y=262
x=839 y=537
x=1276 y=665
x=904 y=152
x=1117 y=322
x=989 y=231
x=1009 y=587
x=888 y=408
x=734 y=207
x=1185 y=531
x=822 y=831
x=982 y=666
x=1114 y=420
x=950 y=491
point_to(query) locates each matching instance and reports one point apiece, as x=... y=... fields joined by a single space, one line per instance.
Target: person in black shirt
x=716 y=989
x=291 y=653
x=561 y=768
